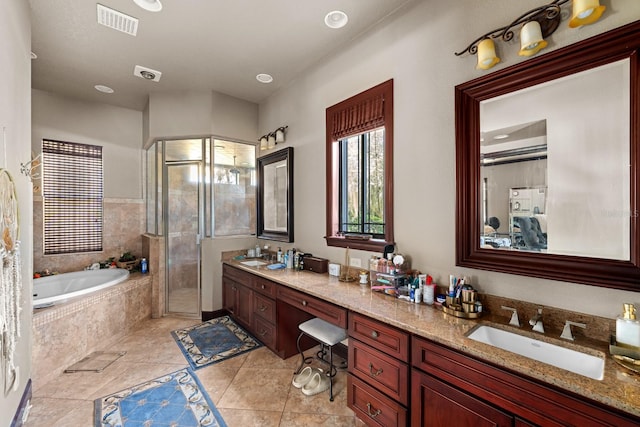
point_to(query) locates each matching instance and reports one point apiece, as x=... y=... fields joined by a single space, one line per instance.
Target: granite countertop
x=620 y=388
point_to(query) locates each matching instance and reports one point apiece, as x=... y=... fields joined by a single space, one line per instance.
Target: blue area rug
x=176 y=400
x=214 y=341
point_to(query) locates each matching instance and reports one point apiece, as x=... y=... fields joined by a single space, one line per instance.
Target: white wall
x=118 y=130
x=179 y=114
x=15 y=134
x=234 y=118
x=416 y=48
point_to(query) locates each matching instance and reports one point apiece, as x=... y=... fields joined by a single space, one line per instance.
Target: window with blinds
x=72 y=193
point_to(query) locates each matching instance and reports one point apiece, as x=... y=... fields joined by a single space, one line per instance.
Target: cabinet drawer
x=372 y=407
x=383 y=372
x=319 y=308
x=264 y=307
x=265 y=332
x=380 y=336
x=239 y=276
x=265 y=287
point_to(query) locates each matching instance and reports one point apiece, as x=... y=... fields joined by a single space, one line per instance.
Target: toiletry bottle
x=289 y=259
x=279 y=255
x=144 y=266
x=258 y=250
x=628 y=327
x=296 y=260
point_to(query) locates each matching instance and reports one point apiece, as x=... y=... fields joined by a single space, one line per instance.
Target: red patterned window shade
x=358 y=117
x=72 y=194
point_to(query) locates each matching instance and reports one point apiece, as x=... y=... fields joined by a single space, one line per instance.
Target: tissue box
x=315 y=264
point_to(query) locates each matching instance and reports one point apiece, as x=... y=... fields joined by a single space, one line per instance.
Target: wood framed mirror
x=562 y=205
x=275 y=196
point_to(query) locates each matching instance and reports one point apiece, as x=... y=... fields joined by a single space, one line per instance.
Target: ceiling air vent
x=117 y=20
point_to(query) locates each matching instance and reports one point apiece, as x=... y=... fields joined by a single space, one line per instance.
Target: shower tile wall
x=183 y=228
x=124 y=223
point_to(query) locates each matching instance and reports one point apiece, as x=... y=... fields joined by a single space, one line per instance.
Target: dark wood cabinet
x=437 y=404
x=244 y=306
x=378 y=381
x=314 y=306
x=237 y=295
x=264 y=313
x=229 y=296
x=372 y=407
x=238 y=301
x=465 y=381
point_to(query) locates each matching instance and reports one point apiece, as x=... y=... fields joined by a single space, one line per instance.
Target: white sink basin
x=560 y=357
x=253 y=263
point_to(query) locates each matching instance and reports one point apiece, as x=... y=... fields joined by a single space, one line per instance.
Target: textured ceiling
x=215 y=45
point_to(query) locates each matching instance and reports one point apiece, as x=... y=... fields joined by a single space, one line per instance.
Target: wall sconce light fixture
x=270 y=140
x=537 y=24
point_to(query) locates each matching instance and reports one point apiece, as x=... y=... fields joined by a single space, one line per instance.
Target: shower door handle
x=198 y=239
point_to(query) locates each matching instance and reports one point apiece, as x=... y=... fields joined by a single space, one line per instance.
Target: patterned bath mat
x=214 y=341
x=176 y=400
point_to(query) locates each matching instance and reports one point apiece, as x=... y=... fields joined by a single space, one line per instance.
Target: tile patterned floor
x=252 y=389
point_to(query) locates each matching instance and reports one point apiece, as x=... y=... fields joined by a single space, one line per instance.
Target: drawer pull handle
x=304 y=303
x=372 y=414
x=234 y=288
x=263 y=333
x=262 y=286
x=263 y=308
x=374 y=334
x=372 y=372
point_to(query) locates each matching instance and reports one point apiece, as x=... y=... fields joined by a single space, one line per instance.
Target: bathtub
x=59 y=288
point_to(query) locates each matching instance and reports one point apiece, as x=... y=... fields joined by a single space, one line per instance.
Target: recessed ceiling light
x=501 y=136
x=336 y=19
x=34 y=56
x=103 y=89
x=150 y=5
x=264 y=78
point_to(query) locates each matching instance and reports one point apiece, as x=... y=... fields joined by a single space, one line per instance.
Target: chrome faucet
x=566 y=332
x=514 y=316
x=536 y=322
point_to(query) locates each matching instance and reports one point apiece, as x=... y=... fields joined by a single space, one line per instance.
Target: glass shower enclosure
x=197 y=188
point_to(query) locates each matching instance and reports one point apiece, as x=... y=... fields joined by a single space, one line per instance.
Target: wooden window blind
x=72 y=193
x=358 y=116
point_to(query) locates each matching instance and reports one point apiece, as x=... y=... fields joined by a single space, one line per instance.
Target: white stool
x=327 y=335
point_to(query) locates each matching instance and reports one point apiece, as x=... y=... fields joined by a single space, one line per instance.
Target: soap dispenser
x=628 y=327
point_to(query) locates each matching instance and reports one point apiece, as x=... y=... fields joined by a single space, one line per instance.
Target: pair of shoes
x=318 y=383
x=301 y=379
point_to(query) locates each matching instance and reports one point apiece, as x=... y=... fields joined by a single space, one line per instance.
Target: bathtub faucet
x=94 y=266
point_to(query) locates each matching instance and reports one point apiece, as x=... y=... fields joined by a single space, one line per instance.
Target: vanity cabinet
x=447 y=384
x=238 y=300
x=264 y=312
x=378 y=377
x=237 y=295
x=437 y=404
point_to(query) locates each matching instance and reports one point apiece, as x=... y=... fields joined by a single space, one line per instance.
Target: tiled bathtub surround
x=65 y=333
x=124 y=223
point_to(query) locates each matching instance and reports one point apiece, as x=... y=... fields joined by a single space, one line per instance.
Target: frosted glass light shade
x=585 y=12
x=531 y=41
x=280 y=134
x=271 y=140
x=487 y=55
x=263 y=143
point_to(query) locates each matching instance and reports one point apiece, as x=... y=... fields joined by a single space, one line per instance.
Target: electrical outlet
x=355 y=262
